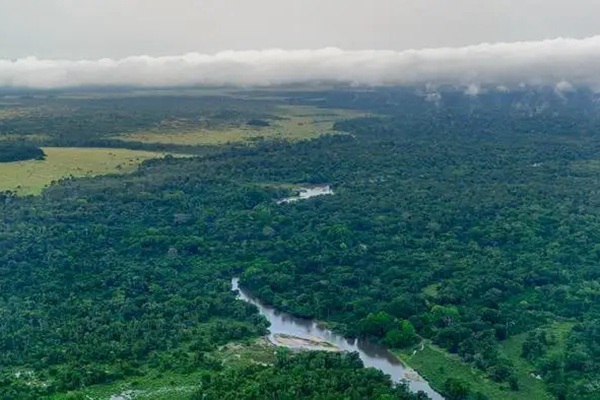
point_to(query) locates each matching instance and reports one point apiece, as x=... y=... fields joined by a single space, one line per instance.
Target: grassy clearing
x=292 y=123
x=257 y=352
x=8 y=113
x=153 y=386
x=559 y=331
x=31 y=177
x=436 y=365
x=585 y=167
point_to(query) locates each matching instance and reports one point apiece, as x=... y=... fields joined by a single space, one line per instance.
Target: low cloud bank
x=563 y=63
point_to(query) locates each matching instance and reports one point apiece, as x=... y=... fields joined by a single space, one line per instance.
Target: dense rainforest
x=462 y=222
x=319 y=375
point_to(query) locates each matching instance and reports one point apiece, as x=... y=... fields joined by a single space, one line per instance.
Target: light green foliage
x=31 y=177
x=289 y=123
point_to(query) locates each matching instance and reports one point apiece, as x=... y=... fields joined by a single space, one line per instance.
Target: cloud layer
x=563 y=63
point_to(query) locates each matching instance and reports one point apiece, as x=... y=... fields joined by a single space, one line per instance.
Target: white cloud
x=473 y=90
x=564 y=86
x=562 y=63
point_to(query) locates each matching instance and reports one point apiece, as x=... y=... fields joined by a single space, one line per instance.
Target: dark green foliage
x=535 y=345
x=258 y=123
x=326 y=376
x=581 y=360
x=455 y=389
x=17 y=151
x=402 y=335
x=464 y=223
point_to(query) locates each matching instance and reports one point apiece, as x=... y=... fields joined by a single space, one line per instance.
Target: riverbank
x=299 y=332
x=296 y=342
x=436 y=365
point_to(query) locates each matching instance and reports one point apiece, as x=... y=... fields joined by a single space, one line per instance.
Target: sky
x=76 y=29
x=221 y=41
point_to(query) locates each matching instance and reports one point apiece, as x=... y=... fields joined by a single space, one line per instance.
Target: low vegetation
x=288 y=123
x=31 y=177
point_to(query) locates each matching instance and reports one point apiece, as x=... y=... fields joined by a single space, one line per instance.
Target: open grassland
x=559 y=332
x=7 y=113
x=436 y=365
x=30 y=177
x=154 y=386
x=290 y=123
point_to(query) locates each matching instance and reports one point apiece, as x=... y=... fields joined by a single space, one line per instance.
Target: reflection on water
x=372 y=355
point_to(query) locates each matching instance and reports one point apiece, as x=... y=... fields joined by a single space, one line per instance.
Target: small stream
x=372 y=355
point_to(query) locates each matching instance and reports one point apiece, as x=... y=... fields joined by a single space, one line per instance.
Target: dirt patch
x=296 y=342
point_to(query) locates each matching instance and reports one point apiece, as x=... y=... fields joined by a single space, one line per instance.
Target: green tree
x=456 y=389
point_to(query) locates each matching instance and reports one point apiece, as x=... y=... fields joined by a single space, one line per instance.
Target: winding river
x=372 y=355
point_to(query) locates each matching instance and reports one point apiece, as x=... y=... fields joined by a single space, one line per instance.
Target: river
x=372 y=355
x=304 y=193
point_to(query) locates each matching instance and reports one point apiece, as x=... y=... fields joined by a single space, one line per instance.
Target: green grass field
x=293 y=123
x=436 y=365
x=154 y=386
x=31 y=177
x=12 y=113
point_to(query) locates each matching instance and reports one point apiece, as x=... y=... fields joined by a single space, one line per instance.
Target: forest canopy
x=16 y=151
x=469 y=226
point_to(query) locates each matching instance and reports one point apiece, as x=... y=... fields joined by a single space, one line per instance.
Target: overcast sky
x=467 y=43
x=76 y=29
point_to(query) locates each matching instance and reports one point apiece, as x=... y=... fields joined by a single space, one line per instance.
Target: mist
x=562 y=63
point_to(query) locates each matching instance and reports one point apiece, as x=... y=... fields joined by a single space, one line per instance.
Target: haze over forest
x=563 y=63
